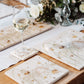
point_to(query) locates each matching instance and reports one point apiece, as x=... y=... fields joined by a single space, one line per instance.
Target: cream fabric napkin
x=24 y=53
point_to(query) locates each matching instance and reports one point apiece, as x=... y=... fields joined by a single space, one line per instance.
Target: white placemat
x=5 y=10
x=64 y=37
x=37 y=70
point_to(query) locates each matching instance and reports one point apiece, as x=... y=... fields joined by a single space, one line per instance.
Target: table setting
x=42 y=42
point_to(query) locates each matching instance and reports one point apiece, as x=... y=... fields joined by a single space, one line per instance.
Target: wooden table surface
x=74 y=76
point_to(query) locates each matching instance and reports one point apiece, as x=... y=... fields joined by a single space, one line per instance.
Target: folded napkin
x=37 y=70
x=24 y=53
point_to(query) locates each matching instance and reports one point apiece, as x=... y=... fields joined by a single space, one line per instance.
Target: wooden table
x=12 y=2
x=74 y=76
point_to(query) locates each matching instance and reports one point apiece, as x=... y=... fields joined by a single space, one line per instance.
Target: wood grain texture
x=74 y=76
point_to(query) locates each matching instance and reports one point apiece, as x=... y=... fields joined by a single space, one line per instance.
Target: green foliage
x=49 y=12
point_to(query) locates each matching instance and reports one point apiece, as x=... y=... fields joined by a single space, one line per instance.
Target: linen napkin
x=24 y=53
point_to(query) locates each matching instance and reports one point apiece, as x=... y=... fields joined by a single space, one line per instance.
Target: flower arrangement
x=46 y=10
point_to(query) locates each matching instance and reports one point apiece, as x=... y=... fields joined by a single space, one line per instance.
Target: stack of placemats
x=9 y=36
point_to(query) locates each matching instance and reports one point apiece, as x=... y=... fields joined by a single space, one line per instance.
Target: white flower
x=36 y=10
x=81 y=7
x=40 y=6
x=73 y=1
